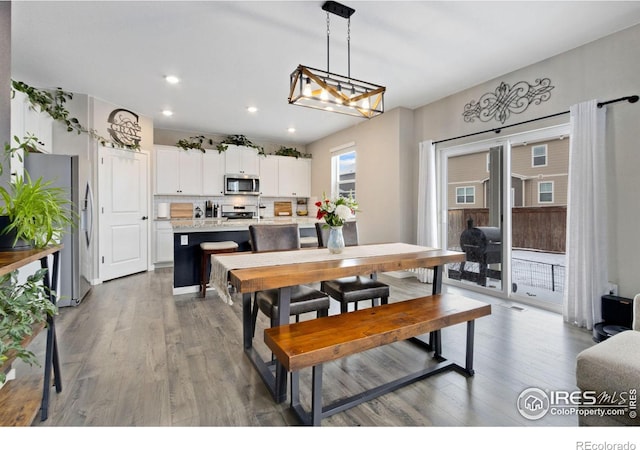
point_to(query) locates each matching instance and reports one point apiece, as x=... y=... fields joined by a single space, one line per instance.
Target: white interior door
x=123 y=212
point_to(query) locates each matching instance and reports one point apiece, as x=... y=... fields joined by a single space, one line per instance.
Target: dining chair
x=351 y=289
x=304 y=299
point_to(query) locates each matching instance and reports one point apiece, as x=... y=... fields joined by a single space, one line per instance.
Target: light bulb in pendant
x=307 y=88
x=339 y=97
x=365 y=103
x=353 y=94
x=324 y=96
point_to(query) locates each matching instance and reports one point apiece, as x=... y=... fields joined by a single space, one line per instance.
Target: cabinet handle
x=144 y=217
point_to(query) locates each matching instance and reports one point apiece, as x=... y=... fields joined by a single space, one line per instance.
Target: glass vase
x=335 y=243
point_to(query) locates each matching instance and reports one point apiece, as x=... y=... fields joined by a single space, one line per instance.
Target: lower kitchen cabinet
x=164 y=243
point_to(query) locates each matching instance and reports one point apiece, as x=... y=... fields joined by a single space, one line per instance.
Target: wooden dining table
x=251 y=272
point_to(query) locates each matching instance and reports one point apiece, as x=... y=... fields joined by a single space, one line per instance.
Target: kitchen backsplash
x=238 y=200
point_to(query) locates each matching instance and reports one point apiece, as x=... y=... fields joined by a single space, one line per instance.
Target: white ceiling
x=230 y=55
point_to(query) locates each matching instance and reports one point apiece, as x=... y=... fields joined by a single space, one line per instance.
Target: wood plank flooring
x=133 y=354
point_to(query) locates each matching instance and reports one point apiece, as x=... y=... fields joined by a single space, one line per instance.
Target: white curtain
x=586 y=242
x=427 y=203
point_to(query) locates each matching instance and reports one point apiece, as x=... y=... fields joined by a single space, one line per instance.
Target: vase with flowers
x=335 y=212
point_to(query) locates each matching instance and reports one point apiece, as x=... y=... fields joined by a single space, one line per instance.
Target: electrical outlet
x=184 y=239
x=613 y=289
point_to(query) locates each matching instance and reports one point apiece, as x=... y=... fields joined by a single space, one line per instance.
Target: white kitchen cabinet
x=269 y=176
x=178 y=172
x=242 y=160
x=213 y=170
x=294 y=177
x=164 y=242
x=26 y=120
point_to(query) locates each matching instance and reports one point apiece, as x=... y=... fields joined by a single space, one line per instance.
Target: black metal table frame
x=51 y=360
x=274 y=375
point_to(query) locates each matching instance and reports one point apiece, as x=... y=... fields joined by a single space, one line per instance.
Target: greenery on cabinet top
x=52 y=102
x=198 y=142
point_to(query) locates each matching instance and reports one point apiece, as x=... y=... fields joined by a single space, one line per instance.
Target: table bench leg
x=470 y=340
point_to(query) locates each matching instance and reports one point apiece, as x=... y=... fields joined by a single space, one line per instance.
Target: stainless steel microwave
x=241 y=185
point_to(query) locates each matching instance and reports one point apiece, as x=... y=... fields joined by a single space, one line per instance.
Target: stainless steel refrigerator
x=76 y=255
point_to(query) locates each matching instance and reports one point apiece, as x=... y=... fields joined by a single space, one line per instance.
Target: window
x=539 y=155
x=465 y=195
x=545 y=192
x=344 y=173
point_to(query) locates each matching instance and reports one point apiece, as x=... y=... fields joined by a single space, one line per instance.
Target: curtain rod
x=630 y=99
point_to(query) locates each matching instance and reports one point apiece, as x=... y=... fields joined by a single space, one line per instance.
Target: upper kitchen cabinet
x=294 y=177
x=178 y=172
x=242 y=160
x=213 y=170
x=26 y=120
x=269 y=176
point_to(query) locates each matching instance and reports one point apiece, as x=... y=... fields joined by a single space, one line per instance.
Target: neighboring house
x=539 y=176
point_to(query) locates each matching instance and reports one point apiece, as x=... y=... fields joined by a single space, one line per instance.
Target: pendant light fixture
x=319 y=89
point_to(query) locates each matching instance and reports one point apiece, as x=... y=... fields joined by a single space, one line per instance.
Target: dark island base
x=186 y=258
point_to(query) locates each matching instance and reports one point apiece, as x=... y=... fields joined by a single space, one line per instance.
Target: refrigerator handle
x=88 y=207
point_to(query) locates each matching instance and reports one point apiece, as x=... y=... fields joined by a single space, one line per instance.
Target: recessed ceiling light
x=167 y=112
x=252 y=109
x=291 y=130
x=171 y=79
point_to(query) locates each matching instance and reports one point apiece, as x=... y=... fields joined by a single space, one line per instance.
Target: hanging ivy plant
x=240 y=140
x=294 y=152
x=52 y=102
x=194 y=143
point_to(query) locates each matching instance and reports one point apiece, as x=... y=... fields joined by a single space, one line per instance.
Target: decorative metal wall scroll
x=506 y=100
x=124 y=127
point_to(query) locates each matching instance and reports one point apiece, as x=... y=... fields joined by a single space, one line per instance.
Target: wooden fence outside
x=539 y=228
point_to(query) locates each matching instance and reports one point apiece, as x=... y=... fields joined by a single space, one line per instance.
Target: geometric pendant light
x=327 y=91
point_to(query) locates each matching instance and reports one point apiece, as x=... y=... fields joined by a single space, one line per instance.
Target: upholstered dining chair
x=351 y=289
x=304 y=299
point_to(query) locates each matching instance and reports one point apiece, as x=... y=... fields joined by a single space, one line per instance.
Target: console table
x=20 y=399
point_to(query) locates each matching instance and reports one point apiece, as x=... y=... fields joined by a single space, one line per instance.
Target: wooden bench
x=314 y=342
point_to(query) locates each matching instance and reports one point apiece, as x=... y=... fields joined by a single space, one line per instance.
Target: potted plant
x=21 y=307
x=34 y=213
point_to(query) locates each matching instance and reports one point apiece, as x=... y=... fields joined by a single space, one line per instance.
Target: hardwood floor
x=133 y=354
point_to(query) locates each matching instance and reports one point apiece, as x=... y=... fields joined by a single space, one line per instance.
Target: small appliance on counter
x=197 y=213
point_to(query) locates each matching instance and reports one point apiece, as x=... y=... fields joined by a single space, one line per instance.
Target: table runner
x=222 y=264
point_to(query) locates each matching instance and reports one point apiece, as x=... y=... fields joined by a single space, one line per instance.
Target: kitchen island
x=188 y=234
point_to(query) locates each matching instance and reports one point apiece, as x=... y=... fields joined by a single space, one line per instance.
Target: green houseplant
x=36 y=213
x=240 y=140
x=21 y=306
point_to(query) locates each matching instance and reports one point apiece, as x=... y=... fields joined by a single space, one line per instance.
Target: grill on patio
x=482 y=245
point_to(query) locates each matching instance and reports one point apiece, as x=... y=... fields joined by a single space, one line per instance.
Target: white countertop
x=209 y=224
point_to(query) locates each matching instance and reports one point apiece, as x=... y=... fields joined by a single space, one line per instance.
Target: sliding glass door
x=504 y=205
